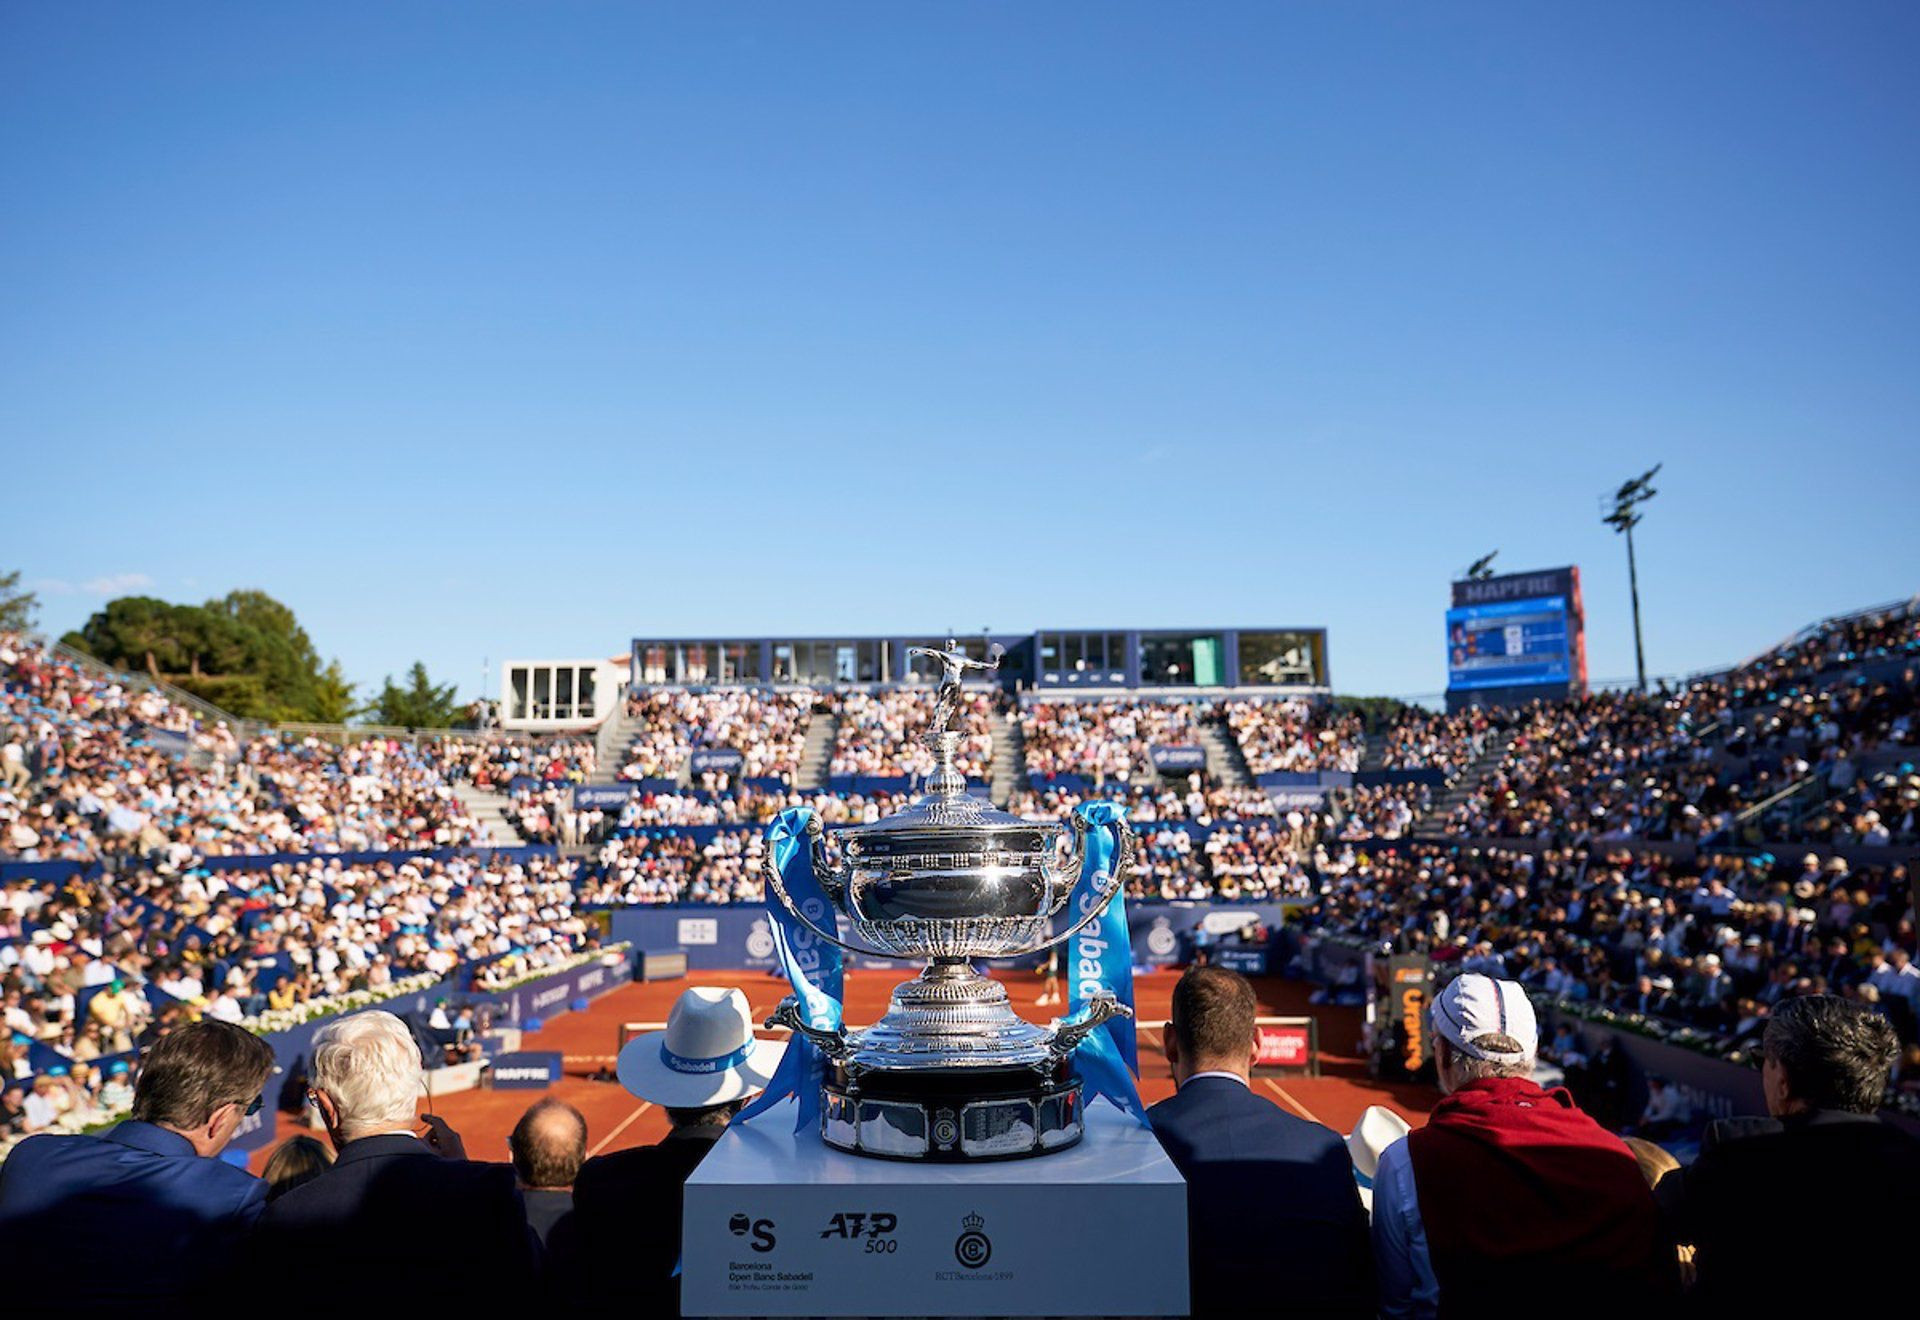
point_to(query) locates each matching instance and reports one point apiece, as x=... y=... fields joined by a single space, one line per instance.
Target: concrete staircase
x=1428 y=823
x=1374 y=756
x=488 y=810
x=610 y=745
x=816 y=755
x=1009 y=770
x=1226 y=763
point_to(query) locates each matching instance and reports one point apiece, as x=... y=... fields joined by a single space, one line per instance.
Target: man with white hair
x=401 y=1205
x=1509 y=1190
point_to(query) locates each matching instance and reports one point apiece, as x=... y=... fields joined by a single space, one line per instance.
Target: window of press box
x=1282 y=658
x=1181 y=660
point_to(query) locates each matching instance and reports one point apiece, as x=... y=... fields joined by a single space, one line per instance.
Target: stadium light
x=1622 y=513
x=1482 y=568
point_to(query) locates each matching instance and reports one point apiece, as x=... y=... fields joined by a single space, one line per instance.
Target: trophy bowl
x=950 y=1072
x=953 y=878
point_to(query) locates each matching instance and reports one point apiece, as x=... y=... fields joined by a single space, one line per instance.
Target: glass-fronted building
x=1049 y=660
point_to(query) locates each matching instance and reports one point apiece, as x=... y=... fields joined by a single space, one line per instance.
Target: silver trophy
x=950 y=1072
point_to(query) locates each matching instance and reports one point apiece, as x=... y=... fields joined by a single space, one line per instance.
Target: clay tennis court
x=616 y=1120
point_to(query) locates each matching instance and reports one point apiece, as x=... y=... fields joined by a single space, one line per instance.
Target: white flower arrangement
x=324 y=1006
x=556 y=968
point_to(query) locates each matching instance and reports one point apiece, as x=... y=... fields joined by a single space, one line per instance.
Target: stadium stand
x=879 y=733
x=1633 y=858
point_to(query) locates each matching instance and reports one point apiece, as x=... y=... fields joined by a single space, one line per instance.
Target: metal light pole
x=1623 y=516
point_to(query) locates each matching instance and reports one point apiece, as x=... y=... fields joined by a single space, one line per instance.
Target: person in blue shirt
x=142 y=1217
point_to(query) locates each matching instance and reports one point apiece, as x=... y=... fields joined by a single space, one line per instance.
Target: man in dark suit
x=143 y=1217
x=1274 y=1219
x=1822 y=1153
x=621 y=1244
x=549 y=1144
x=404 y=1207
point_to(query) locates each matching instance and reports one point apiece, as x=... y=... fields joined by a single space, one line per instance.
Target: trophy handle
x=1102 y=1007
x=833 y=1044
x=1122 y=862
x=832 y=883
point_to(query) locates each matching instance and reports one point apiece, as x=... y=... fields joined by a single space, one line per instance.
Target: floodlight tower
x=1622 y=513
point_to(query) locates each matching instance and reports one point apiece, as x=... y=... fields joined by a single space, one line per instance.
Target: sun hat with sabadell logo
x=706 y=1056
x=1474 y=1005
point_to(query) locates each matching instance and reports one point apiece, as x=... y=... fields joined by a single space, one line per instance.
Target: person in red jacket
x=1509 y=1191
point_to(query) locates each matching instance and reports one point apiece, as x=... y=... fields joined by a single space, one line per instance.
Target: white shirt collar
x=1219 y=1072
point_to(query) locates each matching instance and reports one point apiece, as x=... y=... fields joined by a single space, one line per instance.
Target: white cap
x=1473 y=1005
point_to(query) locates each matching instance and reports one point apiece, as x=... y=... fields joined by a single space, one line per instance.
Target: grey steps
x=488 y=809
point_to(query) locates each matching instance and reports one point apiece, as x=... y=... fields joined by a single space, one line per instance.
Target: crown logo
x=973 y=1223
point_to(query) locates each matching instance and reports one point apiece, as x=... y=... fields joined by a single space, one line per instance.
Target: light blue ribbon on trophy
x=813 y=966
x=1100 y=957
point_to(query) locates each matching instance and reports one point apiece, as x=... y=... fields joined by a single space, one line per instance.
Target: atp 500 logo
x=874 y=1228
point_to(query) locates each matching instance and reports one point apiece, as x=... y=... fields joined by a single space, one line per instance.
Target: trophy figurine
x=950 y=1072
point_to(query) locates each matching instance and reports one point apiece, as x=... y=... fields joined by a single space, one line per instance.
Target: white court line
x=1289 y=1101
x=607 y=1140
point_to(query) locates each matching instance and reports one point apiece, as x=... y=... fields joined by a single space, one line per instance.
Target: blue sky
x=479 y=330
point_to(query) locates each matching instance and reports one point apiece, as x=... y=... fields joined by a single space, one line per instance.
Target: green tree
x=421 y=704
x=18 y=608
x=244 y=652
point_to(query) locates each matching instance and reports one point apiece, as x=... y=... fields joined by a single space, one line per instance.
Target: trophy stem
x=945 y=781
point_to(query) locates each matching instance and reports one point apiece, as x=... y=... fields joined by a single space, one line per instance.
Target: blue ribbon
x=1100 y=957
x=682 y=1063
x=813 y=968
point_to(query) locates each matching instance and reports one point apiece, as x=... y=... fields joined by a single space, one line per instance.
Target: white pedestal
x=778 y=1224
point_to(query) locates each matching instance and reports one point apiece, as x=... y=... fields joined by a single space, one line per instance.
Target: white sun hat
x=1378 y=1128
x=707 y=1055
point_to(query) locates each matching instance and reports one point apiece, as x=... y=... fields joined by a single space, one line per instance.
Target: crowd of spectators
x=1381 y=811
x=657 y=866
x=1295 y=735
x=879 y=733
x=91 y=770
x=234 y=945
x=1107 y=739
x=768 y=729
x=495 y=763
x=1714 y=942
x=1419 y=739
x=1152 y=800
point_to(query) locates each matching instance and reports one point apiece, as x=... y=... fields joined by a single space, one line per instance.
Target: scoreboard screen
x=1508 y=643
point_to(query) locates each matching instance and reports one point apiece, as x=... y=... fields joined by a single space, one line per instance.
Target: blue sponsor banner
x=291 y=1048
x=267 y=861
x=1433 y=778
x=705 y=760
x=732 y=938
x=548 y=995
x=533 y=1071
x=1178 y=758
x=55 y=869
x=603 y=797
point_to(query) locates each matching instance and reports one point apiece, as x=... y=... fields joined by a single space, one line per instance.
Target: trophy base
x=962 y=1116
